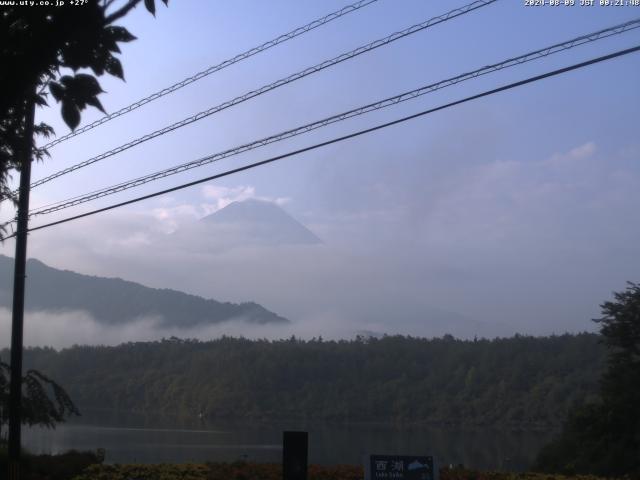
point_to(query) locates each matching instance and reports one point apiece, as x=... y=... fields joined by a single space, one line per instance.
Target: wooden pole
x=17 y=321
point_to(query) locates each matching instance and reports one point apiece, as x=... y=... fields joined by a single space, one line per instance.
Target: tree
x=603 y=438
x=44 y=402
x=48 y=49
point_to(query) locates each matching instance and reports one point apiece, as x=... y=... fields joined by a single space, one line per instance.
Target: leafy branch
x=44 y=402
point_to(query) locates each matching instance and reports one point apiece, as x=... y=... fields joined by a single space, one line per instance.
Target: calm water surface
x=132 y=438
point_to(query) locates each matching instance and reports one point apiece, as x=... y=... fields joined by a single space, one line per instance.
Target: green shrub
x=50 y=467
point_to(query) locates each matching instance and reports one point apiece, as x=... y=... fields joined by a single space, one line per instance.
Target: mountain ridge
x=256 y=221
x=115 y=301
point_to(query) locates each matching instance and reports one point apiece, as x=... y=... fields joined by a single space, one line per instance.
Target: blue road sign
x=400 y=467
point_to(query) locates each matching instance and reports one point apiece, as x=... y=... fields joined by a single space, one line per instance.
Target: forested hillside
x=113 y=301
x=520 y=381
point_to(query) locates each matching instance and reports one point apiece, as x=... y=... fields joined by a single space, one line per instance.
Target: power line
x=216 y=68
x=537 y=54
x=266 y=88
x=346 y=137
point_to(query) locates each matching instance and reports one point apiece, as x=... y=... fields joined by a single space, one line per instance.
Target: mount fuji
x=252 y=223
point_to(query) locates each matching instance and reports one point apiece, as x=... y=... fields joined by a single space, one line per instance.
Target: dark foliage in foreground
x=52 y=467
x=267 y=471
x=37 y=45
x=520 y=381
x=44 y=402
x=604 y=437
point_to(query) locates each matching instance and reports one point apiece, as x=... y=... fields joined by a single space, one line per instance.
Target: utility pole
x=17 y=321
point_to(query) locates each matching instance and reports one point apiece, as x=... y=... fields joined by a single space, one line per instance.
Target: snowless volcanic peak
x=260 y=222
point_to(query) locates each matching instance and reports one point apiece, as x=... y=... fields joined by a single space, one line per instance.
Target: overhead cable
x=527 y=57
x=343 y=138
x=216 y=68
x=266 y=88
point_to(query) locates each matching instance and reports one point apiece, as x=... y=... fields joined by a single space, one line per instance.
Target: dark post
x=15 y=395
x=294 y=455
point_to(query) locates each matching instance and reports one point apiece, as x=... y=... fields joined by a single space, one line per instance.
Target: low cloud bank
x=68 y=328
x=486 y=248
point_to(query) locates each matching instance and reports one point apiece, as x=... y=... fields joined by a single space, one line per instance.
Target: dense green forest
x=519 y=381
x=602 y=437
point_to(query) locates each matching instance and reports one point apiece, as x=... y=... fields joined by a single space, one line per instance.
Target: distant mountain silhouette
x=258 y=222
x=115 y=301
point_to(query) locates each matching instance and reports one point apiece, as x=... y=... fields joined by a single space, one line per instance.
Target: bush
x=50 y=467
x=270 y=471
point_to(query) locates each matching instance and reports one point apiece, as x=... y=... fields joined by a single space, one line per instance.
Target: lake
x=134 y=438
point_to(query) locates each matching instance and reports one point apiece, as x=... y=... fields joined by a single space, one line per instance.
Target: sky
x=512 y=213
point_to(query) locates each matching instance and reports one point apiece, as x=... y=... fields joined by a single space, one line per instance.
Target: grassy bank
x=86 y=466
x=254 y=471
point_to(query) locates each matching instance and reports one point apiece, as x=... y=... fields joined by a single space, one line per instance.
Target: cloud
x=536 y=243
x=223 y=196
x=64 y=329
x=505 y=207
x=67 y=328
x=172 y=214
x=576 y=154
x=487 y=247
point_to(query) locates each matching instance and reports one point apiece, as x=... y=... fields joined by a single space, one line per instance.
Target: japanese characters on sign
x=400 y=467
